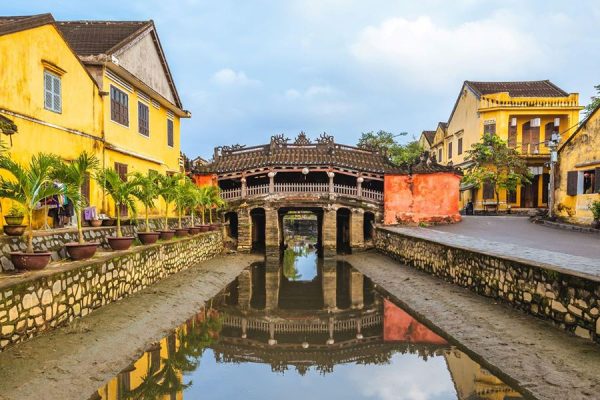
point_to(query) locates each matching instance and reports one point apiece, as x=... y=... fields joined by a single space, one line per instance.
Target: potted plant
x=193 y=203
x=121 y=191
x=29 y=185
x=204 y=201
x=14 y=216
x=167 y=191
x=182 y=199
x=216 y=202
x=73 y=175
x=595 y=209
x=14 y=222
x=147 y=193
x=96 y=222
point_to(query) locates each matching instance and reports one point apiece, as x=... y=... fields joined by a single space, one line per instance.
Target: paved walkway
x=585 y=267
x=520 y=349
x=518 y=230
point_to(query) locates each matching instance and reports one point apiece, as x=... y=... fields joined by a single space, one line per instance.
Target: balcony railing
x=316 y=188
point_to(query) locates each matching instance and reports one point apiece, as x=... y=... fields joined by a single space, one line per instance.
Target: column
x=271 y=231
x=243 y=180
x=245 y=289
x=359 y=182
x=331 y=188
x=356 y=289
x=329 y=230
x=272 y=340
x=244 y=230
x=357 y=234
x=329 y=282
x=331 y=326
x=272 y=182
x=272 y=280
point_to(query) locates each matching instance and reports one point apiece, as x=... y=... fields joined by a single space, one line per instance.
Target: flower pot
x=108 y=222
x=120 y=243
x=204 y=228
x=182 y=232
x=14 y=219
x=166 y=234
x=194 y=230
x=81 y=251
x=96 y=222
x=30 y=261
x=148 y=237
x=14 y=230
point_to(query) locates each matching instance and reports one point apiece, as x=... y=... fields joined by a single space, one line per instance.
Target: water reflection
x=325 y=334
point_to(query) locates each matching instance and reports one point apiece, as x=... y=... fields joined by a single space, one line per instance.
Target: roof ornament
x=232 y=148
x=302 y=140
x=279 y=140
x=324 y=138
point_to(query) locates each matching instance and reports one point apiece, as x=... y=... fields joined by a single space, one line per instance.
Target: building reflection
x=269 y=316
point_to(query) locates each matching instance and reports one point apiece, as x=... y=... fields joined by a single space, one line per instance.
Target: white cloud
x=422 y=52
x=310 y=92
x=230 y=77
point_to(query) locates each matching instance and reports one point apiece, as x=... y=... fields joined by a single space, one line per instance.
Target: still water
x=304 y=329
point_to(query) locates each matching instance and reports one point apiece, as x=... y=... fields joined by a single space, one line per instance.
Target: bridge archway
x=343 y=227
x=231 y=218
x=368 y=221
x=258 y=222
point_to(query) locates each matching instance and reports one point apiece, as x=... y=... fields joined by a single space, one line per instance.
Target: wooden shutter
x=526 y=138
x=488 y=190
x=143 y=119
x=449 y=150
x=459 y=149
x=548 y=129
x=170 y=141
x=572 y=177
x=122 y=171
x=512 y=136
x=534 y=144
x=597 y=180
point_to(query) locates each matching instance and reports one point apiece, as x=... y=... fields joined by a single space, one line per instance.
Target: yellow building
x=426 y=139
x=578 y=177
x=524 y=114
x=99 y=86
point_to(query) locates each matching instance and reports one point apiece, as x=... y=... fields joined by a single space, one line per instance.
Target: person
x=469 y=209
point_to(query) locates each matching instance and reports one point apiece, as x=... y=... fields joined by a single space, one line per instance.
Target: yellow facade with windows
x=77 y=113
x=524 y=114
x=578 y=172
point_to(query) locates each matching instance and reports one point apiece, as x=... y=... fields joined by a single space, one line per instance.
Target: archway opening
x=258 y=219
x=343 y=231
x=369 y=220
x=231 y=218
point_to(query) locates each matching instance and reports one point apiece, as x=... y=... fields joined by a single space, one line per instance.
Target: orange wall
x=431 y=198
x=204 y=180
x=399 y=326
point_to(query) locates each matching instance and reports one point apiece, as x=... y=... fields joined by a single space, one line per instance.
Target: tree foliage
x=121 y=191
x=398 y=153
x=595 y=102
x=492 y=161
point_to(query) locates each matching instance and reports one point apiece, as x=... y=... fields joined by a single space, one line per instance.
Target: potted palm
x=595 y=209
x=182 y=199
x=121 y=191
x=29 y=185
x=216 y=202
x=167 y=191
x=193 y=203
x=204 y=201
x=147 y=193
x=14 y=222
x=73 y=175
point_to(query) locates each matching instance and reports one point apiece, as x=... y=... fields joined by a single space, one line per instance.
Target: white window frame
x=54 y=78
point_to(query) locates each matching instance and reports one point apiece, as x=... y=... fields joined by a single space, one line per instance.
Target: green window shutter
x=572 y=177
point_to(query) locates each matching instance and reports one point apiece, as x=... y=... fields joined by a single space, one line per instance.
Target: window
x=511 y=196
x=459 y=149
x=439 y=155
x=170 y=133
x=143 y=119
x=119 y=106
x=489 y=128
x=488 y=190
x=589 y=180
x=449 y=150
x=52 y=92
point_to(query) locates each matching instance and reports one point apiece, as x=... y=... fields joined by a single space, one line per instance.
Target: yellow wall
x=581 y=153
x=22 y=88
x=471 y=113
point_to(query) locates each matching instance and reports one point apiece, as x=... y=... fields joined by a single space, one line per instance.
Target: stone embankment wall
x=54 y=240
x=43 y=300
x=569 y=300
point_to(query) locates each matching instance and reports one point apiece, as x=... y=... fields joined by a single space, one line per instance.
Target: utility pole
x=553 y=146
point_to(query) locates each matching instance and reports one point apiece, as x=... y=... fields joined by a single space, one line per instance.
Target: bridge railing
x=293 y=187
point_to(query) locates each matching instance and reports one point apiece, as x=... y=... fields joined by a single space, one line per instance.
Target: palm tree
x=167 y=191
x=121 y=191
x=194 y=199
x=182 y=197
x=146 y=191
x=30 y=185
x=73 y=175
x=204 y=201
x=216 y=202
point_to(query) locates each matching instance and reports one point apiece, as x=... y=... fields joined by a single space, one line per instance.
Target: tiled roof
x=518 y=89
x=429 y=136
x=300 y=154
x=10 y=24
x=100 y=37
x=427 y=164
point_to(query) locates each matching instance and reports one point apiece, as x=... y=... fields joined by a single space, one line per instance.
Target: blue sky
x=250 y=69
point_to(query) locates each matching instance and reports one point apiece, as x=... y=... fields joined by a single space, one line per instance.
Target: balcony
x=296 y=188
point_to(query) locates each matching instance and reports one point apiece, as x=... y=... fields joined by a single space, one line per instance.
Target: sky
x=250 y=69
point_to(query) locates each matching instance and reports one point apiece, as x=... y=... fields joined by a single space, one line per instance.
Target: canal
x=302 y=327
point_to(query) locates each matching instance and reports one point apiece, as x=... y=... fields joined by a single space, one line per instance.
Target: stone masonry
x=571 y=300
x=39 y=301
